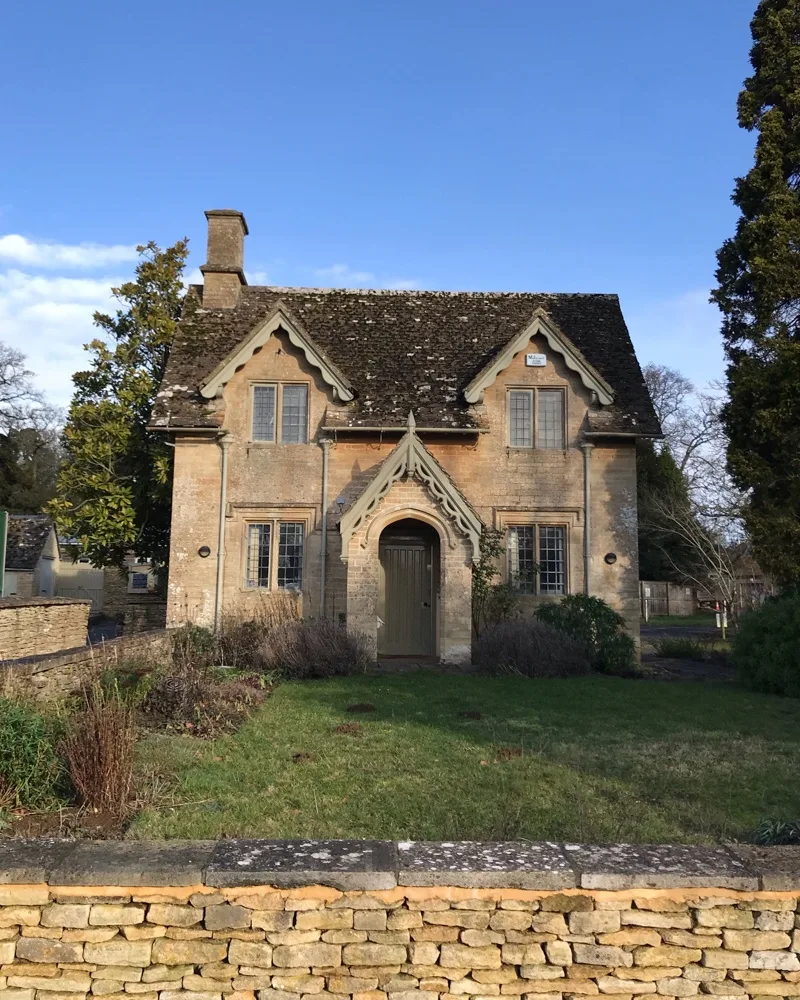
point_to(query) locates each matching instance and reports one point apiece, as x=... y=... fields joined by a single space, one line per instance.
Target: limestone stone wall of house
x=614 y=531
x=53 y=676
x=266 y=480
x=36 y=626
x=198 y=942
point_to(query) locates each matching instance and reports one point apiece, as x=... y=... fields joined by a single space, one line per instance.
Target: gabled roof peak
x=279 y=318
x=410 y=458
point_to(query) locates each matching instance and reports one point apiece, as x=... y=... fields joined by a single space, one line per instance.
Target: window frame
x=529 y=392
x=563 y=411
x=277 y=433
x=533 y=393
x=274 y=522
x=512 y=523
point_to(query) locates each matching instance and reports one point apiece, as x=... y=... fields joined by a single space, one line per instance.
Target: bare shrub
x=318 y=647
x=98 y=747
x=530 y=649
x=243 y=631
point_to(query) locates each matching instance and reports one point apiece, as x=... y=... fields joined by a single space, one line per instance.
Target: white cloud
x=682 y=332
x=46 y=311
x=401 y=284
x=49 y=319
x=16 y=249
x=342 y=276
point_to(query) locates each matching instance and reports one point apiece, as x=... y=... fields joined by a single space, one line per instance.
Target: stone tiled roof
x=27 y=534
x=406 y=350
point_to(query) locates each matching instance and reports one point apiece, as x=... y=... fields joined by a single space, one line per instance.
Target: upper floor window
x=537 y=560
x=280 y=413
x=547 y=429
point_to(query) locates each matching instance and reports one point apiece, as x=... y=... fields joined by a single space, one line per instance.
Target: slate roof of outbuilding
x=406 y=350
x=27 y=535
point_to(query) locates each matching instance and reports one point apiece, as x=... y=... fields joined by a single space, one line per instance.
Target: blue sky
x=455 y=144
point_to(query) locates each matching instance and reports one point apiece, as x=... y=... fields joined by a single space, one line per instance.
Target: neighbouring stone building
x=353 y=445
x=32 y=556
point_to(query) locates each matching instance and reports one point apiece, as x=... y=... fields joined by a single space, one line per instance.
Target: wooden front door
x=407 y=592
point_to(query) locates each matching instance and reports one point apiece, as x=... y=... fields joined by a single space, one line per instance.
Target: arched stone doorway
x=410 y=499
x=408 y=589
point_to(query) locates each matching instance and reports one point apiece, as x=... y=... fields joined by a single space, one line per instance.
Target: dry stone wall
x=53 y=676
x=33 y=626
x=194 y=921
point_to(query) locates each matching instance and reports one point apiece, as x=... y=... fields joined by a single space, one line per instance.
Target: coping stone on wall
x=472 y=865
x=287 y=864
x=370 y=864
x=175 y=862
x=659 y=866
x=26 y=861
x=778 y=868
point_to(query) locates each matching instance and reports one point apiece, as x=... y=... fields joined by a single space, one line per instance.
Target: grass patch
x=600 y=759
x=703 y=620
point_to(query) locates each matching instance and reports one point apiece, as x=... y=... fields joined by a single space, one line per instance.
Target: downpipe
x=325 y=444
x=587 y=516
x=224 y=444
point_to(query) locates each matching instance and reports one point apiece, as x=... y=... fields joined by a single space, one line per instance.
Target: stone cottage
x=352 y=445
x=32 y=556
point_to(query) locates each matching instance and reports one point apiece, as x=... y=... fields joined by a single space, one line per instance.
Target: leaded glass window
x=280 y=413
x=520 y=418
x=258 y=553
x=552 y=570
x=294 y=414
x=521 y=563
x=290 y=555
x=550 y=418
x=264 y=412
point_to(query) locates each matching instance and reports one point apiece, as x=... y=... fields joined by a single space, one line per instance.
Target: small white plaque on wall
x=535 y=360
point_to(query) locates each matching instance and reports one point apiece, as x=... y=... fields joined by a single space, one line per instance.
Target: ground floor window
x=275 y=555
x=537 y=558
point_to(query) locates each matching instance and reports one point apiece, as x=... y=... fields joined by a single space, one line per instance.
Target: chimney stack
x=223 y=272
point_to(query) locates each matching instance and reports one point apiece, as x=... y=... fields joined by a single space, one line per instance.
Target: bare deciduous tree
x=709 y=552
x=18 y=397
x=706 y=521
x=691 y=423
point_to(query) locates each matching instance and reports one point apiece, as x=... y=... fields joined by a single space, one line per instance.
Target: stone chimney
x=223 y=272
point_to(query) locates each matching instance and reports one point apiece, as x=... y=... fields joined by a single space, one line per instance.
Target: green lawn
x=696 y=621
x=601 y=759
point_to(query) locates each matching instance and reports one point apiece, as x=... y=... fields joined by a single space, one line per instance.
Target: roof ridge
x=415 y=292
